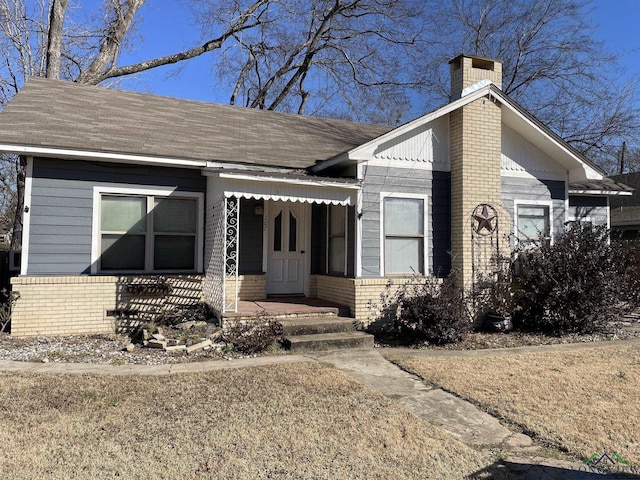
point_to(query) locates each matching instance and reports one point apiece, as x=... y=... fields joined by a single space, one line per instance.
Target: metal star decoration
x=485 y=220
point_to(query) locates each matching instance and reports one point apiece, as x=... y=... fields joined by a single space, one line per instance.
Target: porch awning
x=606 y=186
x=289 y=189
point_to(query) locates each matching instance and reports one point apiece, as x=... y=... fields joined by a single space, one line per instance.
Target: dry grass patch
x=584 y=401
x=287 y=421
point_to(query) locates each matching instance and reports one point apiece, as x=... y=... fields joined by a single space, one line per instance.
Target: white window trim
x=536 y=203
x=143 y=190
x=26 y=217
x=426 y=225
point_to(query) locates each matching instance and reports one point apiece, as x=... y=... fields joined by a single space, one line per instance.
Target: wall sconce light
x=258 y=210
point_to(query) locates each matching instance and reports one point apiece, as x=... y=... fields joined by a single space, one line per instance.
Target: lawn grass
x=303 y=420
x=584 y=401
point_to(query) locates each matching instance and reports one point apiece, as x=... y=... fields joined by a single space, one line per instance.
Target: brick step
x=329 y=341
x=316 y=324
x=282 y=317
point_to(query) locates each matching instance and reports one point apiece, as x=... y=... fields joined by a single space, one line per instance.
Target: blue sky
x=618 y=24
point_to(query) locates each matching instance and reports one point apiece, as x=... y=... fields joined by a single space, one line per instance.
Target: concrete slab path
x=463 y=420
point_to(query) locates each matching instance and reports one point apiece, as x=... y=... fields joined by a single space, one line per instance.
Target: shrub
x=6 y=308
x=173 y=315
x=492 y=292
x=426 y=308
x=576 y=285
x=252 y=337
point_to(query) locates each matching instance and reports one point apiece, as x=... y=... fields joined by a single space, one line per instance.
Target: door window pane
x=293 y=232
x=277 y=233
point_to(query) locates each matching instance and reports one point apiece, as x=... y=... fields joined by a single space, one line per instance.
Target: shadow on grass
x=507 y=470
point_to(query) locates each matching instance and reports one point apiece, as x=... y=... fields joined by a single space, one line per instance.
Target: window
x=148 y=232
x=337 y=236
x=403 y=235
x=533 y=223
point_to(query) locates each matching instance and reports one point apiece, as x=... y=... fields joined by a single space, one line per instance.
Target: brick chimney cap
x=468 y=55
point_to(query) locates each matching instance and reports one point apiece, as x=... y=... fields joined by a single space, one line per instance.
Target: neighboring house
x=625 y=211
x=128 y=195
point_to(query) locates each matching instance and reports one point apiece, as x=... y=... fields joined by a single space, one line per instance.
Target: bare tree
x=552 y=65
x=37 y=38
x=339 y=57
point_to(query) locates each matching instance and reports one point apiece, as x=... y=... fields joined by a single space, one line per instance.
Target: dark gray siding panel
x=61 y=207
x=582 y=201
x=594 y=209
x=250 y=238
x=351 y=241
x=103 y=172
x=433 y=184
x=441 y=219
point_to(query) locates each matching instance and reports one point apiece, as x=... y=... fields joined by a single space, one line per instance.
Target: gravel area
x=110 y=349
x=481 y=340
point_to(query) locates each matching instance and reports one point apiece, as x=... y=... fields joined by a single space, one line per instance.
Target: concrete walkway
x=450 y=413
x=458 y=417
x=134 y=369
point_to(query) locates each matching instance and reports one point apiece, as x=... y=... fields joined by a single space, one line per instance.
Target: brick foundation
x=250 y=287
x=78 y=305
x=359 y=294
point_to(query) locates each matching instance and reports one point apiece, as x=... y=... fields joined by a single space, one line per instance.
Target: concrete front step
x=316 y=324
x=329 y=341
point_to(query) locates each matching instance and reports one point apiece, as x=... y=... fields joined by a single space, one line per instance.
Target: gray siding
x=61 y=207
x=531 y=189
x=433 y=184
x=594 y=208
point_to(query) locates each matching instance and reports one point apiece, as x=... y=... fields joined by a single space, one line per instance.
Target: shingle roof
x=56 y=114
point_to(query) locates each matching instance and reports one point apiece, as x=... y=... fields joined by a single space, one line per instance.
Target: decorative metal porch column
x=231 y=253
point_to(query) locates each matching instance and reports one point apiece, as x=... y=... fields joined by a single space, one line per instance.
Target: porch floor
x=286 y=306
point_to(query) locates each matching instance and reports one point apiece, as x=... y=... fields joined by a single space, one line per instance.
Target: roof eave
x=103 y=156
x=361 y=153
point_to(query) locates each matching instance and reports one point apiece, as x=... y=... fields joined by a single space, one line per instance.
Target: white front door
x=286 y=248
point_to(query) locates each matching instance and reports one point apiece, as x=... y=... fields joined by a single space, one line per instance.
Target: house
x=130 y=196
x=625 y=211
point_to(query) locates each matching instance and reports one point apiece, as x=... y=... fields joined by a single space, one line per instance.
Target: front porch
x=271 y=235
x=308 y=324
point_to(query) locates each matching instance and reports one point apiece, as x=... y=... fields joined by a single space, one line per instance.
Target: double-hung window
x=533 y=223
x=337 y=236
x=404 y=235
x=148 y=233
